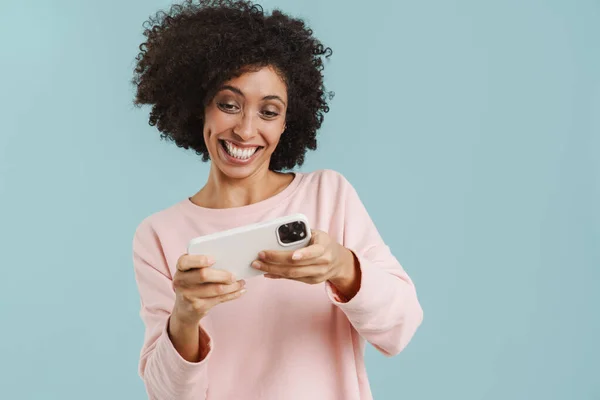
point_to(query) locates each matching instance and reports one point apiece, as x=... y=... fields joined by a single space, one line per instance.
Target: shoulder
x=328 y=189
x=328 y=179
x=150 y=227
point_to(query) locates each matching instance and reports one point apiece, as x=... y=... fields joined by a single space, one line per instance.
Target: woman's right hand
x=198 y=288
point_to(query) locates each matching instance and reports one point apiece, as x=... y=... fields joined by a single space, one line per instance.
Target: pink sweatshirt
x=282 y=340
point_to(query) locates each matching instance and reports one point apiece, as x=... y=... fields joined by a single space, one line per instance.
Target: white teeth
x=237 y=152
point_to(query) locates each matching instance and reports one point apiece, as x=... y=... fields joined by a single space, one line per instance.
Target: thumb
x=317 y=236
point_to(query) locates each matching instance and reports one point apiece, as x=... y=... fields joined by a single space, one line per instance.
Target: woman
x=245 y=90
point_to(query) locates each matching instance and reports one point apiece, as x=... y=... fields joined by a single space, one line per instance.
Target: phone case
x=235 y=249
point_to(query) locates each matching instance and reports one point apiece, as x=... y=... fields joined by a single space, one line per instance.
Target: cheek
x=217 y=122
x=273 y=134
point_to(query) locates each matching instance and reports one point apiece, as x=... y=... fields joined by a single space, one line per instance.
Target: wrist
x=347 y=281
x=183 y=320
x=189 y=339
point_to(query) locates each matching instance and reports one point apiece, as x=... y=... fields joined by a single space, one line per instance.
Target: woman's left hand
x=322 y=260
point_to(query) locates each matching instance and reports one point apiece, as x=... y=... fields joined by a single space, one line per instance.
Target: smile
x=237 y=152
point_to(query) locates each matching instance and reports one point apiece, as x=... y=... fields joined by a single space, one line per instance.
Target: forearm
x=164 y=370
x=384 y=309
x=347 y=283
x=168 y=370
x=189 y=340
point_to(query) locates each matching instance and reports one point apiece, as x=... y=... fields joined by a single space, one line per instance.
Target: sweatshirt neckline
x=236 y=212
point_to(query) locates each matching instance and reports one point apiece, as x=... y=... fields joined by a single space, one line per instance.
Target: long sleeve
x=165 y=373
x=385 y=311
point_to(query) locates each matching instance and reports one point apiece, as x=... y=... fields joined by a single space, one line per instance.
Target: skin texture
x=323 y=260
x=239 y=113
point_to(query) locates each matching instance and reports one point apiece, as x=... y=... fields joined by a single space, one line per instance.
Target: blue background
x=471 y=130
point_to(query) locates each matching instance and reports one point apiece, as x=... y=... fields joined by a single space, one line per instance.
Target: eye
x=270 y=114
x=227 y=107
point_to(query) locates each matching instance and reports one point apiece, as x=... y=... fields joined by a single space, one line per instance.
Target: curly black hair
x=196 y=46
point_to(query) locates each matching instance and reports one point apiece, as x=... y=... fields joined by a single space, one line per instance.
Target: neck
x=222 y=191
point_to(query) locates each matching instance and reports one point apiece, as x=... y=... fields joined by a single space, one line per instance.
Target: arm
x=189 y=341
x=377 y=295
x=166 y=374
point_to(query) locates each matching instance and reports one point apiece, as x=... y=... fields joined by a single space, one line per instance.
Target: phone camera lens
x=284 y=234
x=292 y=232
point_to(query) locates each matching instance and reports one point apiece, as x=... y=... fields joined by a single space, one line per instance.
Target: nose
x=245 y=127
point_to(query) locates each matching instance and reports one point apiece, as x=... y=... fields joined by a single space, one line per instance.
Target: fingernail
x=256 y=264
x=242 y=291
x=233 y=278
x=210 y=260
x=296 y=256
x=261 y=255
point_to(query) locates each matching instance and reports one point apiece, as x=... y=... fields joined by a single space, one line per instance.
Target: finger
x=308 y=253
x=305 y=256
x=271 y=276
x=311 y=280
x=276 y=256
x=290 y=271
x=226 y=297
x=189 y=261
x=317 y=236
x=206 y=275
x=211 y=290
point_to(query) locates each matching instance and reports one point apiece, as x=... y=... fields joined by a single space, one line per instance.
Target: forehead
x=260 y=83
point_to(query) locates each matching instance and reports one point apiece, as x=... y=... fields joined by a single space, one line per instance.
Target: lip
x=236 y=161
x=240 y=145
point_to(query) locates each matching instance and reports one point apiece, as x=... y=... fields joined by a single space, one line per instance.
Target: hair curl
x=193 y=48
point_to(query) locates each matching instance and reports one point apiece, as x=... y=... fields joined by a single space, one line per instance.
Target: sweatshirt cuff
x=184 y=372
x=374 y=286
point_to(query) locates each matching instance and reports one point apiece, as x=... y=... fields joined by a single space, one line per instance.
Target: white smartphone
x=234 y=250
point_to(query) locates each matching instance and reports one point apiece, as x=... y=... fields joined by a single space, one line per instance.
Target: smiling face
x=244 y=121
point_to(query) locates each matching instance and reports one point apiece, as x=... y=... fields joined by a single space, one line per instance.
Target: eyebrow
x=238 y=91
